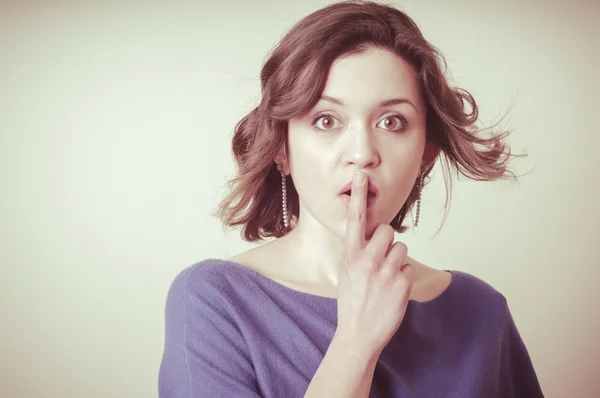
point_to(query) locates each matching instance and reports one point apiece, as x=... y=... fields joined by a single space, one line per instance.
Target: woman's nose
x=361 y=150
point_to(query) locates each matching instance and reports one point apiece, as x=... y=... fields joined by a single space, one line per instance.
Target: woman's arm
x=205 y=354
x=518 y=377
x=345 y=371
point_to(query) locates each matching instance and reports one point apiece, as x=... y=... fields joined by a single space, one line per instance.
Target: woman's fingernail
x=360 y=177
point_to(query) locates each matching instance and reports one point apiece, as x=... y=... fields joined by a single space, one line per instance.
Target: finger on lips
x=357 y=209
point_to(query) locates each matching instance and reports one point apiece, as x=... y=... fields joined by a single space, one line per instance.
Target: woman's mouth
x=345 y=198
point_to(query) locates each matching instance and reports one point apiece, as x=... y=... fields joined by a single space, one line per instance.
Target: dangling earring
x=420 y=189
x=284 y=197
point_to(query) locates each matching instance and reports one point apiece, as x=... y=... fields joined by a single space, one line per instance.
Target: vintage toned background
x=115 y=127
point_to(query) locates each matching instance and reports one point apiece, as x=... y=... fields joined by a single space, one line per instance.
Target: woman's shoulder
x=476 y=287
x=440 y=286
x=211 y=275
x=474 y=296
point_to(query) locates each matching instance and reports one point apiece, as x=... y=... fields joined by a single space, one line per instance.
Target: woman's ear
x=429 y=155
x=282 y=162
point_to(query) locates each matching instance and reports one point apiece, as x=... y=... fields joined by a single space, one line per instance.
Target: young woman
x=355 y=111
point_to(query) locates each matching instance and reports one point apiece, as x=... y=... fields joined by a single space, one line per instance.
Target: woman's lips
x=372 y=188
x=345 y=198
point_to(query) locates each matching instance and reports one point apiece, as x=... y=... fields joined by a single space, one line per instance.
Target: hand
x=374 y=283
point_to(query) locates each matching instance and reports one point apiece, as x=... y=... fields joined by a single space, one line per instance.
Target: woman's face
x=371 y=117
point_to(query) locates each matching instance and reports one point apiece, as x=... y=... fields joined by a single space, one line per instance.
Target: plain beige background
x=115 y=128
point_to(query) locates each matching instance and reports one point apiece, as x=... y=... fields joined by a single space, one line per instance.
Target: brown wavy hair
x=292 y=80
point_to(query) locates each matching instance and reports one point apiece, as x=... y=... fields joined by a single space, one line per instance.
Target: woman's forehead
x=370 y=78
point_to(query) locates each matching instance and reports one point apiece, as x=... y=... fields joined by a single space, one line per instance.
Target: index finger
x=357 y=213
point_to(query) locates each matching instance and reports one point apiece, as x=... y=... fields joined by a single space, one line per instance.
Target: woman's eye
x=328 y=122
x=394 y=122
x=324 y=122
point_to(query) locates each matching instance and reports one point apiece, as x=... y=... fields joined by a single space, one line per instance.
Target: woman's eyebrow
x=389 y=102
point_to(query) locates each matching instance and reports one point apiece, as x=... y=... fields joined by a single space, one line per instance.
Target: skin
x=387 y=143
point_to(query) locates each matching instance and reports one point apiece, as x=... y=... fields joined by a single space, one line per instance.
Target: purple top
x=233 y=332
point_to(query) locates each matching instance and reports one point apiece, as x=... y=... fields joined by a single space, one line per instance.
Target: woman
x=355 y=111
